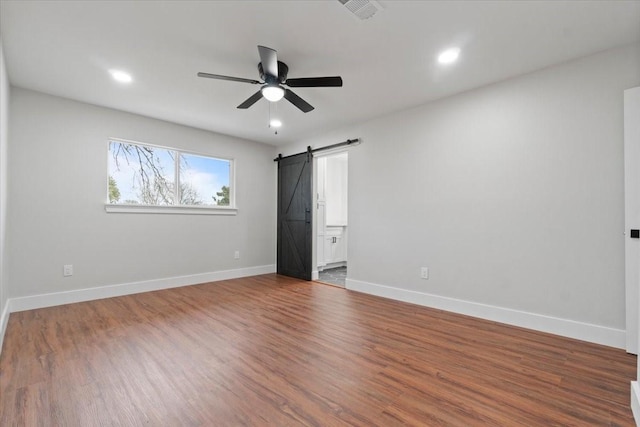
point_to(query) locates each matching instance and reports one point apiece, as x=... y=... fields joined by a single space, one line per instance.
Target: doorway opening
x=331 y=219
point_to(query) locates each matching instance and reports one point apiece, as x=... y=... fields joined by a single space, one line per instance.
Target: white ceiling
x=388 y=62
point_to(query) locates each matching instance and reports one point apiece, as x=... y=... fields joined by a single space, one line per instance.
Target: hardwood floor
x=270 y=350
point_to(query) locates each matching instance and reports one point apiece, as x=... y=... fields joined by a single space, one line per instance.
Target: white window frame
x=174 y=209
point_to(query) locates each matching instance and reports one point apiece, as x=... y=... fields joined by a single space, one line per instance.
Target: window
x=142 y=176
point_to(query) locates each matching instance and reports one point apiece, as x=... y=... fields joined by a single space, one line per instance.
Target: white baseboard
x=315 y=275
x=4 y=320
x=88 y=294
x=563 y=327
x=635 y=401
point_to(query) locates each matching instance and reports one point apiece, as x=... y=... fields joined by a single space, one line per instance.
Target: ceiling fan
x=274 y=76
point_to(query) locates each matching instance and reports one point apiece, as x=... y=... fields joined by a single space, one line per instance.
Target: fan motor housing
x=283 y=70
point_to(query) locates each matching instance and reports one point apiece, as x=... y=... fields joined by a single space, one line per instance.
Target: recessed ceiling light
x=275 y=123
x=449 y=56
x=121 y=76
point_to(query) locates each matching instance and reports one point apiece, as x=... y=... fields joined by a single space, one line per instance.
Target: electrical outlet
x=424 y=273
x=67 y=270
x=236 y=255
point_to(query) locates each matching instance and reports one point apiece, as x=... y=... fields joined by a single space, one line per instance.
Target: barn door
x=294 y=216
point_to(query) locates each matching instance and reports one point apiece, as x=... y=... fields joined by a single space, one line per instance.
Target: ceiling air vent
x=363 y=9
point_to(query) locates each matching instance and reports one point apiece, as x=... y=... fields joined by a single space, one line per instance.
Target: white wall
x=57 y=179
x=511 y=194
x=4 y=141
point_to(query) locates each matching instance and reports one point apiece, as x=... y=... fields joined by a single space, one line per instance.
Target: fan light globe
x=273 y=93
x=275 y=123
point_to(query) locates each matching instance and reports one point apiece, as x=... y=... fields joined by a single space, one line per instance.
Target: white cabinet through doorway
x=331 y=175
x=335 y=245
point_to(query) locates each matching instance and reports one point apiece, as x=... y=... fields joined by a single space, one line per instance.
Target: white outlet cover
x=67 y=270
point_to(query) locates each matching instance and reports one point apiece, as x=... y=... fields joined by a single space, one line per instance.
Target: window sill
x=176 y=210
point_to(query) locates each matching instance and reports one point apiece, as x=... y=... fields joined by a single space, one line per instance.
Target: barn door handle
x=307 y=216
x=635 y=234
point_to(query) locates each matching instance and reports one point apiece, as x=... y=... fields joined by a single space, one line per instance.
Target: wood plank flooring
x=270 y=350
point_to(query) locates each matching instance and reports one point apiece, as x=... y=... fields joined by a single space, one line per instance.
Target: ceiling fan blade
x=297 y=101
x=269 y=60
x=251 y=100
x=315 y=82
x=233 y=79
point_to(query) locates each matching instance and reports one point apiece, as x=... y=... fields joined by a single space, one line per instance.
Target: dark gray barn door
x=294 y=216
